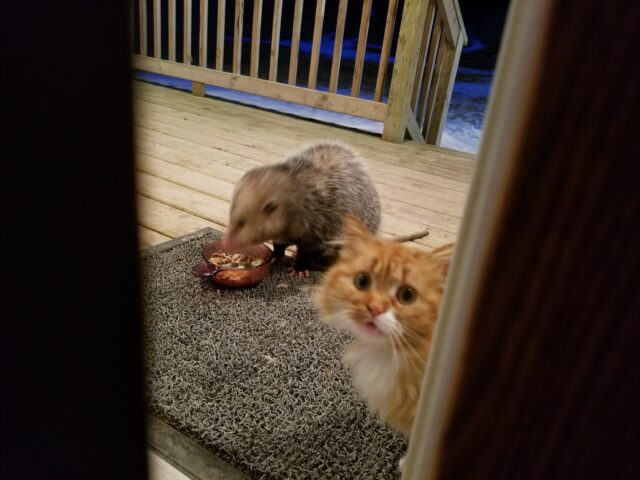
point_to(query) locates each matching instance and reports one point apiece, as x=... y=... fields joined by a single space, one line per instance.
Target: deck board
x=245 y=127
x=191 y=151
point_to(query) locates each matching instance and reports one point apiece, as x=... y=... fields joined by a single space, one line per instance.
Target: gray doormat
x=253 y=376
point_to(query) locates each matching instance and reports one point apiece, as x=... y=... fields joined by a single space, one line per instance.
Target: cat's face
x=383 y=291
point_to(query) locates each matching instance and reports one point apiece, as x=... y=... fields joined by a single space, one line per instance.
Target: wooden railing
x=429 y=43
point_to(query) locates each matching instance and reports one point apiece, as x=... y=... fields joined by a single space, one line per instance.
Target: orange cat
x=387 y=294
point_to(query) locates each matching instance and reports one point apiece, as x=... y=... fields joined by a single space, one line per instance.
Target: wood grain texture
x=275 y=40
x=220 y=36
x=204 y=27
x=295 y=42
x=422 y=66
x=443 y=89
x=362 y=48
x=317 y=41
x=423 y=104
x=197 y=88
x=191 y=151
x=186 y=52
x=255 y=38
x=549 y=386
x=142 y=17
x=337 y=103
x=438 y=76
x=237 y=36
x=386 y=49
x=414 y=16
x=157 y=33
x=449 y=12
x=148 y=238
x=171 y=20
x=337 y=46
x=412 y=127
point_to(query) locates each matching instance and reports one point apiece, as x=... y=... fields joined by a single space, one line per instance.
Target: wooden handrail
x=430 y=42
x=431 y=35
x=450 y=14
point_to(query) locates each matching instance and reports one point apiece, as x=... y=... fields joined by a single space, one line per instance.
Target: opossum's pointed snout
x=228 y=240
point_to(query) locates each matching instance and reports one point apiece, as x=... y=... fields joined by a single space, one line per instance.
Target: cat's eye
x=362 y=281
x=406 y=295
x=270 y=207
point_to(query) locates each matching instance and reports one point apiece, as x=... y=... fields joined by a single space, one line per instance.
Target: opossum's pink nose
x=230 y=241
x=225 y=243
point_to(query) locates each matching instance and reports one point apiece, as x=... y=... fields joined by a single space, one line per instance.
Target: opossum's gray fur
x=317 y=187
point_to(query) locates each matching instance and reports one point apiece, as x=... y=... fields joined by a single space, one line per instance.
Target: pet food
x=234 y=260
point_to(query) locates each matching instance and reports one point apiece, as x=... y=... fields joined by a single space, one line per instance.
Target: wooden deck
x=192 y=150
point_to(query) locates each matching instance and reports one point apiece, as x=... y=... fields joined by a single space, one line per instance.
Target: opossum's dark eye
x=240 y=223
x=270 y=207
x=362 y=281
x=406 y=294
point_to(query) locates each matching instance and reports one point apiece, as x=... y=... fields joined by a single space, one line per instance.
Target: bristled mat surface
x=254 y=376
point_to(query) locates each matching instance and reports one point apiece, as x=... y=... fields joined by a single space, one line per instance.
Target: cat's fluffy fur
x=393 y=336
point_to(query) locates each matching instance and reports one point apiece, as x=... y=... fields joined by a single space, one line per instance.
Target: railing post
x=404 y=70
x=443 y=89
x=197 y=89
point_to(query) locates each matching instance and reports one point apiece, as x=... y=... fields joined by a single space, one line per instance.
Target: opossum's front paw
x=298 y=273
x=301 y=267
x=279 y=250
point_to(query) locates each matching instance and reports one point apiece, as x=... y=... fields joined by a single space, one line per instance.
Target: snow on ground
x=465 y=119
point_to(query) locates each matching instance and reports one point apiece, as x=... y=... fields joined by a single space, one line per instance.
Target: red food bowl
x=234 y=277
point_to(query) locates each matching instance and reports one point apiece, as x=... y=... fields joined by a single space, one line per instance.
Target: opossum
x=302 y=201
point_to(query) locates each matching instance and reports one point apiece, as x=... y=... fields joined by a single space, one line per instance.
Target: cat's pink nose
x=376 y=309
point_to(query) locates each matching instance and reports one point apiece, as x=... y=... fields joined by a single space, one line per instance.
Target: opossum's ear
x=270 y=207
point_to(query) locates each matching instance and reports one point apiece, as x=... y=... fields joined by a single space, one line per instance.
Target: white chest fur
x=374 y=373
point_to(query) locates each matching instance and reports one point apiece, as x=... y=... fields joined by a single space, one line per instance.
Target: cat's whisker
x=416 y=346
x=410 y=333
x=407 y=347
x=401 y=343
x=395 y=347
x=339 y=319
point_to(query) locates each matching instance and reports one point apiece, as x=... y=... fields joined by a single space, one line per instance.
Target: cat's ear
x=354 y=234
x=352 y=228
x=442 y=257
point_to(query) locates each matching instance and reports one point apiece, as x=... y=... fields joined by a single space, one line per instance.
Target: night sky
x=484 y=21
